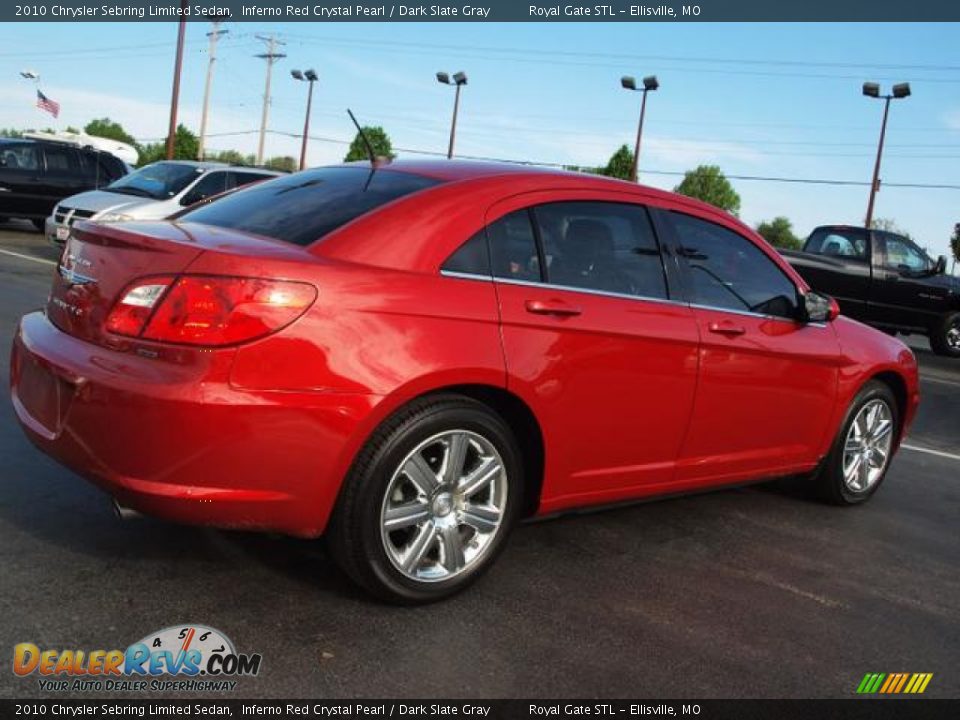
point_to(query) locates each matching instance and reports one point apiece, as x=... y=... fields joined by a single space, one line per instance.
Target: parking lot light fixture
x=310 y=77
x=650 y=83
x=458 y=80
x=872 y=90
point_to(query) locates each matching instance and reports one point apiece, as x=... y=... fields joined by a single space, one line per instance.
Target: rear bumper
x=176 y=440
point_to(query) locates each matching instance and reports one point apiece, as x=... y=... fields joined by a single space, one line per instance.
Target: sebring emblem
x=67 y=269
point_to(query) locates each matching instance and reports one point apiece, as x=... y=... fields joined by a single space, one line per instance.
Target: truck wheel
x=861 y=452
x=945 y=336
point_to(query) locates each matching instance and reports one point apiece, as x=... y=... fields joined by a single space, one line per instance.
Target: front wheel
x=429 y=502
x=945 y=336
x=861 y=453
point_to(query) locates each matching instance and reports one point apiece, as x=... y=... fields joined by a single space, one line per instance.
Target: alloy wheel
x=867 y=446
x=953 y=335
x=444 y=505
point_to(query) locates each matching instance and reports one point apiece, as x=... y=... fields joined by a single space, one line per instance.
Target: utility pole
x=214 y=35
x=872 y=90
x=271 y=56
x=178 y=66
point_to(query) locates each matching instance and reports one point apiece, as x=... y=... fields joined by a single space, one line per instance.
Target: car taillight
x=208 y=310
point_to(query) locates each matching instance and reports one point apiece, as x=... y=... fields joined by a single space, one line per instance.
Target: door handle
x=726 y=328
x=552 y=307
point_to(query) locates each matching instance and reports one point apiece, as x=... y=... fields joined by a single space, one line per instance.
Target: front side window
x=305 y=207
x=846 y=243
x=605 y=246
x=62 y=160
x=901 y=254
x=213 y=183
x=727 y=271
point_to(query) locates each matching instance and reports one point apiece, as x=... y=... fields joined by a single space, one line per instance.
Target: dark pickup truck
x=885 y=280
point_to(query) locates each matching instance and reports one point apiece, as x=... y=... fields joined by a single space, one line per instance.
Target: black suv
x=36 y=174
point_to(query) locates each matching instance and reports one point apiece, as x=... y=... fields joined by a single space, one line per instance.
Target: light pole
x=870 y=89
x=310 y=77
x=649 y=83
x=175 y=92
x=459 y=79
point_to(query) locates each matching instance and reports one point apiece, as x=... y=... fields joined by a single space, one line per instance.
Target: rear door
x=64 y=175
x=767 y=382
x=593 y=338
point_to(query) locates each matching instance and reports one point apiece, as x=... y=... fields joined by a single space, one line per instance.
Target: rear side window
x=602 y=246
x=846 y=243
x=245 y=178
x=513 y=248
x=304 y=207
x=62 y=161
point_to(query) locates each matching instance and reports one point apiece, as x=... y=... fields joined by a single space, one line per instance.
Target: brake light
x=208 y=310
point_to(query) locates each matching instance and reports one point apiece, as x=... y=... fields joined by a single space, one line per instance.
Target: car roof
x=460 y=170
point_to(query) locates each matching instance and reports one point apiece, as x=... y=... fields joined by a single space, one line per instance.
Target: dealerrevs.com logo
x=177 y=658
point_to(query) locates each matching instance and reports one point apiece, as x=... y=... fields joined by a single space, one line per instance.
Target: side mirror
x=819 y=308
x=941 y=265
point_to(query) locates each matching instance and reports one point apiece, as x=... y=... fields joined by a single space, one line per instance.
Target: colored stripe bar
x=926 y=681
x=862 y=687
x=903 y=681
x=875 y=685
x=913 y=682
x=891 y=679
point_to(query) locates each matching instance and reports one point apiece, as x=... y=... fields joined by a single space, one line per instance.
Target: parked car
x=153 y=192
x=884 y=280
x=412 y=357
x=36 y=174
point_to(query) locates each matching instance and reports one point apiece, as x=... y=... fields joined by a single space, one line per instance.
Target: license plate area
x=62 y=233
x=43 y=394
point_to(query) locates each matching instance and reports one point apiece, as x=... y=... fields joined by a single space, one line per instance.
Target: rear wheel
x=945 y=336
x=429 y=502
x=862 y=450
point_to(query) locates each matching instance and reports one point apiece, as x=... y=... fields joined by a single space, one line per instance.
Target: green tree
x=619 y=165
x=890 y=225
x=779 y=233
x=231 y=157
x=104 y=127
x=708 y=184
x=382 y=147
x=185 y=147
x=10 y=133
x=283 y=163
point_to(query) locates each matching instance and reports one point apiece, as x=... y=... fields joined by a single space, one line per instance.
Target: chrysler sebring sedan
x=409 y=358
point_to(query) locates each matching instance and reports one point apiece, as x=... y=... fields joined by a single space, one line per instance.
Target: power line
x=678 y=173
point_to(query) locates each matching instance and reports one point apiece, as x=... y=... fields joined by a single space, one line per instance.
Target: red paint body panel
x=633 y=397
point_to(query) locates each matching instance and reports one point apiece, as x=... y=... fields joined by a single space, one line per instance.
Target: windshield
x=159 y=181
x=303 y=207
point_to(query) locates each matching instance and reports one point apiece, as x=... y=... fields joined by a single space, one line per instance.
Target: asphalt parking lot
x=754 y=592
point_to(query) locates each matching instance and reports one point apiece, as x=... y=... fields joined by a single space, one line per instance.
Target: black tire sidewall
x=376 y=476
x=836 y=488
x=938 y=338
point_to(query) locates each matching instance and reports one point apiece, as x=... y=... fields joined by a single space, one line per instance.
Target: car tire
x=945 y=336
x=861 y=453
x=412 y=527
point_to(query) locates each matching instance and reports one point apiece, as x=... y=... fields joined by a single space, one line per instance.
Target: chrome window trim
x=553 y=286
x=604 y=293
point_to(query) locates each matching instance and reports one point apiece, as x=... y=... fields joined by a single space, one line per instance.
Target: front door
x=904 y=296
x=767 y=382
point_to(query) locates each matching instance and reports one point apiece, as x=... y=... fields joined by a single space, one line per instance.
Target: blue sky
x=756 y=99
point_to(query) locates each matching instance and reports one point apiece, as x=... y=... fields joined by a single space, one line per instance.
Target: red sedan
x=411 y=358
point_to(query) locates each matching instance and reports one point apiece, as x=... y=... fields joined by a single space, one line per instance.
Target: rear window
x=304 y=207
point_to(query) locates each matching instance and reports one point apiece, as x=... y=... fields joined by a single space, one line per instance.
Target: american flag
x=45 y=103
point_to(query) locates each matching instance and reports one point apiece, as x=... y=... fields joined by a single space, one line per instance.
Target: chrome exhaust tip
x=123 y=512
